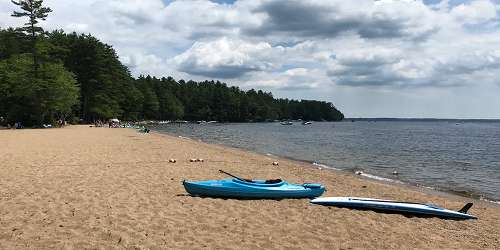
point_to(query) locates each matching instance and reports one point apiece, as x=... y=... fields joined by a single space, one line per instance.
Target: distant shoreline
x=423 y=119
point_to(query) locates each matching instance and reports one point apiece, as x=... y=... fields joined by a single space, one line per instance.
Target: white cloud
x=77 y=27
x=361 y=49
x=226 y=58
x=294 y=79
x=144 y=64
x=328 y=19
x=475 y=12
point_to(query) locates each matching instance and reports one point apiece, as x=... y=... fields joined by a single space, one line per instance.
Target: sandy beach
x=100 y=188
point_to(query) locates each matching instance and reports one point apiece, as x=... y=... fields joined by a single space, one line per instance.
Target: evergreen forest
x=51 y=76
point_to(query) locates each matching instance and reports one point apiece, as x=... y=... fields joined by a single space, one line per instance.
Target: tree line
x=50 y=76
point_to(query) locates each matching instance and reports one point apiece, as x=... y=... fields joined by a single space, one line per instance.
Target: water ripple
x=441 y=155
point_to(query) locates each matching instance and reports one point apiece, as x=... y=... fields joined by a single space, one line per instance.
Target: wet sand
x=100 y=188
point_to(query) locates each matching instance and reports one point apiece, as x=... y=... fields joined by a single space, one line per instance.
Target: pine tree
x=34 y=10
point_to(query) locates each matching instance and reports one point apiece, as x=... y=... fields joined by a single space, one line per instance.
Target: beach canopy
x=114 y=120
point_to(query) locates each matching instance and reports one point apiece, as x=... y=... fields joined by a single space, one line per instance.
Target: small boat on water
x=395 y=206
x=286 y=123
x=306 y=123
x=240 y=188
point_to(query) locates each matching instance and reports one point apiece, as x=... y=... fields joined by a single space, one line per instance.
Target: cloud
x=329 y=19
x=353 y=48
x=368 y=67
x=225 y=58
x=294 y=79
x=364 y=43
x=474 y=12
x=143 y=64
x=468 y=63
x=393 y=67
x=77 y=27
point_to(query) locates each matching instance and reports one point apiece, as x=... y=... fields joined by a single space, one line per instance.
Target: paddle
x=236 y=177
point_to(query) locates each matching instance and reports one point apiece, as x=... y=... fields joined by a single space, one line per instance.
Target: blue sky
x=386 y=58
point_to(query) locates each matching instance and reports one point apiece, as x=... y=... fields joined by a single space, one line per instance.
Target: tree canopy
x=32 y=91
x=58 y=75
x=34 y=10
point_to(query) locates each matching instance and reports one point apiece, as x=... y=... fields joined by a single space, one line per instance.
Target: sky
x=385 y=58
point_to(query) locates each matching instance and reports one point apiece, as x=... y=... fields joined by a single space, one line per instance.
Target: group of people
x=18 y=125
x=109 y=124
x=100 y=124
x=114 y=123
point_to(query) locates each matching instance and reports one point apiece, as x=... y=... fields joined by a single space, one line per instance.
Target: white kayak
x=395 y=206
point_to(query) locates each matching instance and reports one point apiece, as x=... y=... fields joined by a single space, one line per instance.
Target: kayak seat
x=272 y=181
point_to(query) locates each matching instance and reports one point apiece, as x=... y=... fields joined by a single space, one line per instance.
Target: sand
x=100 y=188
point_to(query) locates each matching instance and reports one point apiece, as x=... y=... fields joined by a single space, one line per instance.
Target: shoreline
x=365 y=176
x=84 y=188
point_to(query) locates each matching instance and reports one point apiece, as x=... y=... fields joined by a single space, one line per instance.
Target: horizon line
x=416 y=118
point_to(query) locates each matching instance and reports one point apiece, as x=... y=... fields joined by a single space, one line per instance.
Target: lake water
x=463 y=158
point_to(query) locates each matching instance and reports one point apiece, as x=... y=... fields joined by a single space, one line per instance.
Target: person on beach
x=18 y=125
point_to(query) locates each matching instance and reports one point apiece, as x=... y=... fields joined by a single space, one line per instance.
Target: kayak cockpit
x=265 y=183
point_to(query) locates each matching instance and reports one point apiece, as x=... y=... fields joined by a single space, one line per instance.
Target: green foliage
x=12 y=43
x=166 y=99
x=107 y=89
x=35 y=100
x=33 y=91
x=51 y=76
x=34 y=10
x=58 y=91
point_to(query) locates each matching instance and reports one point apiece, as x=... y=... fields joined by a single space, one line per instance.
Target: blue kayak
x=252 y=189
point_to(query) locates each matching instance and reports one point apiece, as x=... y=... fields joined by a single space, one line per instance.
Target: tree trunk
x=33 y=51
